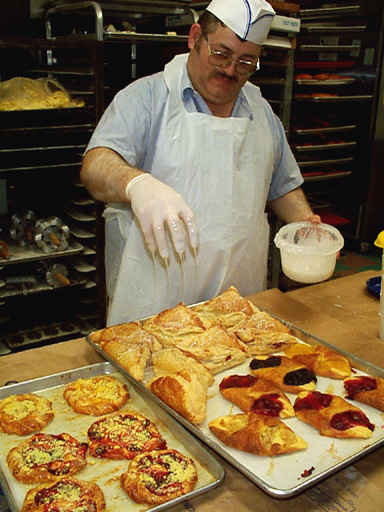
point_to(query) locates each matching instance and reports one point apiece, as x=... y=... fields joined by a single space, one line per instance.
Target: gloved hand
x=156 y=205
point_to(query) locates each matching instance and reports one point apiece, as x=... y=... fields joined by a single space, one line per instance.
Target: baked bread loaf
x=227 y=309
x=184 y=392
x=64 y=495
x=46 y=457
x=332 y=415
x=256 y=433
x=172 y=360
x=253 y=394
x=320 y=359
x=288 y=375
x=123 y=435
x=25 y=413
x=97 y=395
x=156 y=477
x=367 y=390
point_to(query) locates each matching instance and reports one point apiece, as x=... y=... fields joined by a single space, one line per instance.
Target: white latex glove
x=157 y=205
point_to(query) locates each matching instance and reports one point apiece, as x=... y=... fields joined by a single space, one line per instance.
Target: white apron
x=222 y=167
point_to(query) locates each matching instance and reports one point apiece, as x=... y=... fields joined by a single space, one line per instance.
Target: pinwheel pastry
x=256 y=433
x=46 y=457
x=367 y=390
x=286 y=374
x=332 y=415
x=254 y=394
x=159 y=476
x=321 y=360
x=65 y=494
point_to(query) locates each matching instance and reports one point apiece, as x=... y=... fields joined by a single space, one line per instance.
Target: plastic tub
x=308 y=251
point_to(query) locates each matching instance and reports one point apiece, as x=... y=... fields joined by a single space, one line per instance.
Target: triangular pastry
x=258 y=434
x=183 y=392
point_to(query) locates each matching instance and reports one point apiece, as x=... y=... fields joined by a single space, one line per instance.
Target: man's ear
x=194 y=35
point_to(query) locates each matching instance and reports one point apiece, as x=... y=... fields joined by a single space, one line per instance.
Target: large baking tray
x=106 y=472
x=282 y=476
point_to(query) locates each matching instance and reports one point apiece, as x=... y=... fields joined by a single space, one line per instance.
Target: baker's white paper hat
x=249 y=19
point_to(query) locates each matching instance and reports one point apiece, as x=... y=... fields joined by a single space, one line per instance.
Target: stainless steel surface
x=208 y=465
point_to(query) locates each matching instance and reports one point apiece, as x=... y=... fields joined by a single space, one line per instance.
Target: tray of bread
x=88 y=440
x=284 y=407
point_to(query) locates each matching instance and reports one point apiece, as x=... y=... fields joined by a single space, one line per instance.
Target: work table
x=340 y=311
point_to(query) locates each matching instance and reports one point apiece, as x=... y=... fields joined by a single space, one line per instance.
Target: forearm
x=106 y=175
x=293 y=207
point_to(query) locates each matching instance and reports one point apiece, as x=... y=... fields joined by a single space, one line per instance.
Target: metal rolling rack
x=337 y=71
x=40 y=159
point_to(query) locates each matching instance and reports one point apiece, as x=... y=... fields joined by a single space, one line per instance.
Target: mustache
x=224 y=75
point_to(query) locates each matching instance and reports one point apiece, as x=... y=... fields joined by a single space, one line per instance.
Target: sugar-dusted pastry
x=256 y=433
x=174 y=325
x=332 y=415
x=156 y=477
x=253 y=394
x=267 y=342
x=286 y=374
x=365 y=389
x=46 y=457
x=215 y=348
x=120 y=331
x=96 y=395
x=64 y=495
x=172 y=360
x=25 y=413
x=320 y=359
x=184 y=392
x=227 y=309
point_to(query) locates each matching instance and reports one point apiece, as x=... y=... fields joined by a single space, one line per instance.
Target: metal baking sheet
x=318 y=147
x=340 y=81
x=282 y=476
x=105 y=472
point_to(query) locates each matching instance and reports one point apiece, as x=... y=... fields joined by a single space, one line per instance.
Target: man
x=193 y=155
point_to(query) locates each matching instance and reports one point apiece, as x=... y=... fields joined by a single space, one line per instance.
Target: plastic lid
x=309 y=238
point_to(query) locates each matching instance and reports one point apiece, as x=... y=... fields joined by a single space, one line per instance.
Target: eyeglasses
x=223 y=59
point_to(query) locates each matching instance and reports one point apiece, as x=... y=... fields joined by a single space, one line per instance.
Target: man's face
x=218 y=85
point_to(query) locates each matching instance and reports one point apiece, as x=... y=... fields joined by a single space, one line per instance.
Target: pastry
x=45 y=457
x=365 y=389
x=65 y=495
x=215 y=348
x=288 y=375
x=184 y=392
x=174 y=325
x=227 y=309
x=332 y=415
x=25 y=413
x=172 y=360
x=123 y=435
x=96 y=395
x=253 y=394
x=321 y=360
x=156 y=477
x=256 y=433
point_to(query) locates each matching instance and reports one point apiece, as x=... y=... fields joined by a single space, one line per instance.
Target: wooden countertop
x=340 y=311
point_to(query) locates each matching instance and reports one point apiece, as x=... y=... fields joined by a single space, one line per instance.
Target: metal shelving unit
x=337 y=71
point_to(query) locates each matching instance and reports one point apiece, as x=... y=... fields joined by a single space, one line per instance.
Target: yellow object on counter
x=379 y=242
